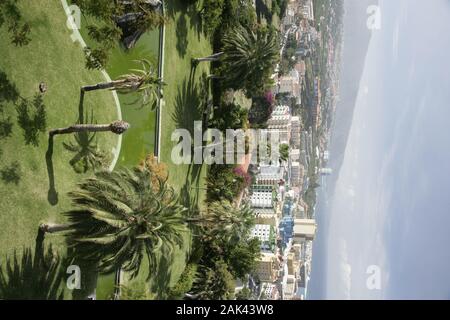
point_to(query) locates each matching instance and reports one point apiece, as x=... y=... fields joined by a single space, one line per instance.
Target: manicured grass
x=53 y=58
x=183 y=98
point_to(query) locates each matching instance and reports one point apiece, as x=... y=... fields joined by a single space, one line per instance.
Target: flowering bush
x=270 y=99
x=246 y=178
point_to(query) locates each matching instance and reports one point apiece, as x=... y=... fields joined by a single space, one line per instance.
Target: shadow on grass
x=89 y=276
x=32 y=118
x=6 y=125
x=11 y=173
x=182 y=33
x=86 y=152
x=188 y=104
x=32 y=276
x=164 y=274
x=8 y=90
x=190 y=10
x=52 y=196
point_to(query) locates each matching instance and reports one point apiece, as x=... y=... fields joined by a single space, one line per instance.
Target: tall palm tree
x=35 y=277
x=119 y=217
x=144 y=81
x=117 y=127
x=210 y=58
x=248 y=57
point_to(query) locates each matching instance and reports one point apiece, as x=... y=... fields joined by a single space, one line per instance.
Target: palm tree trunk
x=213 y=57
x=191 y=296
x=103 y=85
x=215 y=77
x=54 y=228
x=117 y=284
x=117 y=127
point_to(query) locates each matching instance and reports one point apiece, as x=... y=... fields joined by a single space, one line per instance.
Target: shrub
x=158 y=169
x=184 y=284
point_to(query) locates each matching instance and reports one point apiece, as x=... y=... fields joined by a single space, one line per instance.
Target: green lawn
x=53 y=58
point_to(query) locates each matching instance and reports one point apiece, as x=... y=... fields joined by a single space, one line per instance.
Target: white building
x=297 y=173
x=290 y=288
x=291 y=84
x=304 y=230
x=295 y=155
x=266 y=234
x=280 y=122
x=270 y=291
x=295 y=132
x=262 y=199
x=307 y=9
x=270 y=175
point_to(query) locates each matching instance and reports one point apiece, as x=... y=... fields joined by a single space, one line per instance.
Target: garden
x=80 y=121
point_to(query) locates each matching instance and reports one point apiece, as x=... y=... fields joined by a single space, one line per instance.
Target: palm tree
x=117 y=127
x=35 y=277
x=211 y=58
x=223 y=220
x=119 y=217
x=143 y=81
x=248 y=57
x=215 y=283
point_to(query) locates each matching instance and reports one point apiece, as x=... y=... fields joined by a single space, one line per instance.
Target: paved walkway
x=161 y=102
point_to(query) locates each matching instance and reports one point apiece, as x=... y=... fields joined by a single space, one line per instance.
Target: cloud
x=390 y=203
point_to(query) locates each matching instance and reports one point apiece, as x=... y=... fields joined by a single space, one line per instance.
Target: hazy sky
x=391 y=205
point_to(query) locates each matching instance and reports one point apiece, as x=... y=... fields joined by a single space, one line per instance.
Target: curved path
x=76 y=37
x=161 y=102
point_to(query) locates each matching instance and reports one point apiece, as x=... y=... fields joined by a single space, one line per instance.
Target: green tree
x=244 y=294
x=242 y=257
x=214 y=283
x=284 y=152
x=212 y=15
x=185 y=282
x=225 y=221
x=231 y=116
x=249 y=59
x=118 y=218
